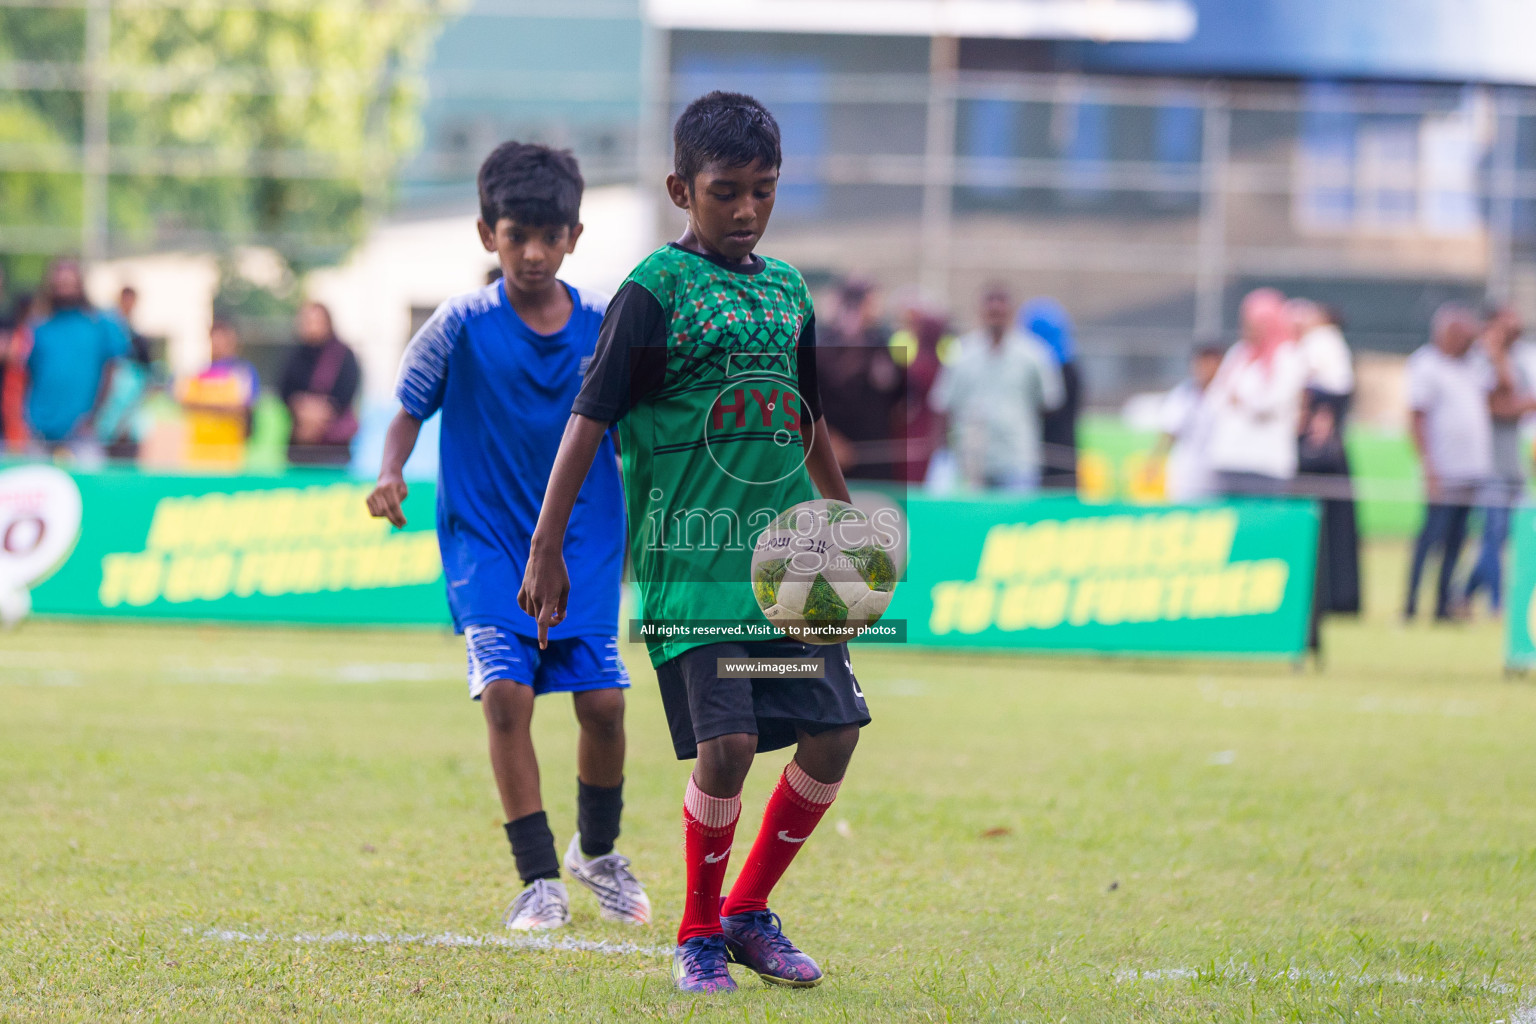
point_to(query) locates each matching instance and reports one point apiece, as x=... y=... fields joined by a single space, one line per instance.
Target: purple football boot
x=699 y=965
x=756 y=940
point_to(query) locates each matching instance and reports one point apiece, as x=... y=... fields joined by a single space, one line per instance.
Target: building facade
x=1376 y=157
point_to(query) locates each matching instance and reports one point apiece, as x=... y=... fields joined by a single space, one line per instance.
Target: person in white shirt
x=1256 y=402
x=992 y=396
x=1185 y=421
x=1448 y=393
x=1322 y=462
x=1330 y=367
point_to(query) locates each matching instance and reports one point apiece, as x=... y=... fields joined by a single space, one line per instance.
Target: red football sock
x=797 y=804
x=709 y=826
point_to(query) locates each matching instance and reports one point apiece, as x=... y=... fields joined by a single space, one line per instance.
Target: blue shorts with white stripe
x=566 y=666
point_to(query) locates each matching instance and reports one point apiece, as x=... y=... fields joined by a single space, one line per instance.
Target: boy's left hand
x=546 y=586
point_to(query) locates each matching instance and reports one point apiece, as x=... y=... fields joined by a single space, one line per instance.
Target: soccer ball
x=822 y=571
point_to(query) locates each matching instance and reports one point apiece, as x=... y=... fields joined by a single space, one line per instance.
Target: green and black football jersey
x=709 y=369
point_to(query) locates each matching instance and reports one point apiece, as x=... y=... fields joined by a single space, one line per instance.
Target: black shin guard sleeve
x=597 y=817
x=533 y=847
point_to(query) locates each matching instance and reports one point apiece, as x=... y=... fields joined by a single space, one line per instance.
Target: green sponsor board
x=1520 y=592
x=299 y=548
x=1051 y=574
x=1054 y=574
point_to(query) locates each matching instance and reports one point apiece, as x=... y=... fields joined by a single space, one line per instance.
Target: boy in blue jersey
x=503 y=364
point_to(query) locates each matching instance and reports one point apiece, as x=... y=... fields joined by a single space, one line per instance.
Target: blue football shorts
x=566 y=666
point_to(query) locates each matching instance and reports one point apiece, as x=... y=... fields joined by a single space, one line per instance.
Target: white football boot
x=541 y=906
x=619 y=893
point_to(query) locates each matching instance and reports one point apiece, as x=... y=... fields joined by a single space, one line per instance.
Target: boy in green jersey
x=706 y=361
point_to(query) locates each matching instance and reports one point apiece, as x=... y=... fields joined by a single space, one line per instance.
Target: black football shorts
x=702 y=705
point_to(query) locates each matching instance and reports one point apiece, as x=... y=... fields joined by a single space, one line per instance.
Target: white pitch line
x=566 y=944
x=1246 y=973
x=441 y=939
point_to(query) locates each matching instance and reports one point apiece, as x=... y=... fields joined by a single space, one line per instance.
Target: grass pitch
x=211 y=824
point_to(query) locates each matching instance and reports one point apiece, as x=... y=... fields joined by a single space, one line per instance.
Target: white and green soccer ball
x=823 y=572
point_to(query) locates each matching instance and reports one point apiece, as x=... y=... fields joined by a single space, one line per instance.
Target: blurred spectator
x=1330 y=365
x=138 y=344
x=861 y=385
x=17 y=344
x=1513 y=398
x=1448 y=391
x=218 y=401
x=918 y=314
x=1256 y=402
x=7 y=327
x=131 y=379
x=1186 y=425
x=319 y=384
x=1321 y=455
x=70 y=365
x=993 y=395
x=920 y=347
x=1046 y=319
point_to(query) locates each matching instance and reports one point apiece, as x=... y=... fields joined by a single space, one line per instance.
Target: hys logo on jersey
x=753 y=430
x=759 y=407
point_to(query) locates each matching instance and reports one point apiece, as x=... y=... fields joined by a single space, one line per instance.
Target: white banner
x=1101 y=20
x=39 y=527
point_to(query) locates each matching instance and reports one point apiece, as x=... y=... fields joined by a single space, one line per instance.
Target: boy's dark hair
x=531 y=184
x=730 y=128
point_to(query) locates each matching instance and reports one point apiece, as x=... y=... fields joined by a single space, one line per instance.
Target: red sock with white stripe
x=793 y=811
x=709 y=828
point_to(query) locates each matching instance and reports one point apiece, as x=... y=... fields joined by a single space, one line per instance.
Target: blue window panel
x=1178 y=134
x=1524 y=225
x=1087 y=151
x=1326 y=196
x=989 y=131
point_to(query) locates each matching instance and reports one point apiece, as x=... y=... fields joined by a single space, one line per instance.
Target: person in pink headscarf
x=1256 y=401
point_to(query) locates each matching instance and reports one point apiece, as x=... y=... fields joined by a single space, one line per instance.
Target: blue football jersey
x=505 y=393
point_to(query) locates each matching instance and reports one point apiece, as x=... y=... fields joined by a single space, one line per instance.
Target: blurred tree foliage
x=39 y=208
x=279 y=123
x=40 y=194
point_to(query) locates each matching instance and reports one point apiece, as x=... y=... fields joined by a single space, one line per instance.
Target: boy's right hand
x=384 y=502
x=546 y=586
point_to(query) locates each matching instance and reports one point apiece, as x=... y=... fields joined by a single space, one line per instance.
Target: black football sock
x=533 y=847
x=597 y=817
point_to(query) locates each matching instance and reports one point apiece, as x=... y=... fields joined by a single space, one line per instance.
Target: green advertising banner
x=1520 y=592
x=1050 y=574
x=1054 y=574
x=299 y=548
